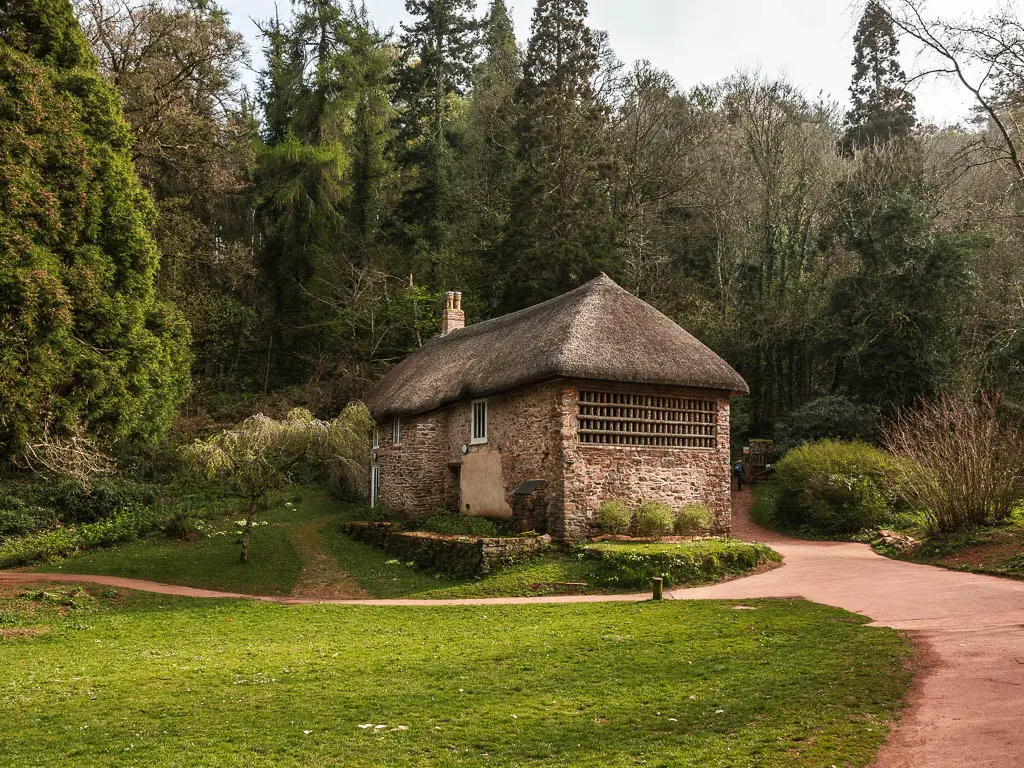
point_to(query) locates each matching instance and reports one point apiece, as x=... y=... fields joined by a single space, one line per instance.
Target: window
x=396 y=431
x=376 y=438
x=374 y=484
x=479 y=433
x=617 y=418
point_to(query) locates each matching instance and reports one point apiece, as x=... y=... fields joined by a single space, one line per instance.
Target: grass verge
x=996 y=550
x=155 y=681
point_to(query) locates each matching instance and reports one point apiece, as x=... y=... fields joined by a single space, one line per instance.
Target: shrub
x=455 y=524
x=616 y=517
x=834 y=488
x=694 y=519
x=19 y=517
x=962 y=466
x=831 y=417
x=76 y=504
x=654 y=519
x=127 y=525
x=691 y=562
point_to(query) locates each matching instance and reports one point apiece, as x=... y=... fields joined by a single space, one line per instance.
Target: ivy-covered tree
x=559 y=232
x=83 y=339
x=881 y=109
x=894 y=334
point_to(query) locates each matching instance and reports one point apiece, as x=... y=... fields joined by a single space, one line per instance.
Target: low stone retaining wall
x=458 y=556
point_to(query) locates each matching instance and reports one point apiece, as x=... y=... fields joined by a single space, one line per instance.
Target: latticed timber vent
x=618 y=418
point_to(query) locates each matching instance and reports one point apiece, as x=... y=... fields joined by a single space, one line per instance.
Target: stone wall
x=423 y=473
x=457 y=556
x=677 y=476
x=414 y=475
x=534 y=432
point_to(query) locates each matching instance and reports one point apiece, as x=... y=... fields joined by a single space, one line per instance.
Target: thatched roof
x=598 y=331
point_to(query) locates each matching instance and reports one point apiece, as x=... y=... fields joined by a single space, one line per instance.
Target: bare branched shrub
x=72 y=456
x=963 y=465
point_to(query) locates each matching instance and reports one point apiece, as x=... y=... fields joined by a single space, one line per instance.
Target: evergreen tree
x=894 y=336
x=83 y=340
x=488 y=170
x=882 y=109
x=440 y=51
x=369 y=78
x=301 y=173
x=559 y=234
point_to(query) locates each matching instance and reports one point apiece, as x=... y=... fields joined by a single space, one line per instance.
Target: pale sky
x=702 y=41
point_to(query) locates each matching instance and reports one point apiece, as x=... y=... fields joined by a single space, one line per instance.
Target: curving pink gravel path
x=967 y=706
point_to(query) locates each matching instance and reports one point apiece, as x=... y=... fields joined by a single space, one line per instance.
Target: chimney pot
x=453 y=317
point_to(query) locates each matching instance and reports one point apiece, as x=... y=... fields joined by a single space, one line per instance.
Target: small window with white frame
x=479 y=431
x=376 y=438
x=396 y=431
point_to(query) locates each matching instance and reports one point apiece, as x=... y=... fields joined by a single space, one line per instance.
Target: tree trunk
x=247 y=533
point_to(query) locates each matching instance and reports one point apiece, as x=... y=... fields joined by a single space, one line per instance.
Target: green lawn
x=155 y=681
x=212 y=561
x=275 y=565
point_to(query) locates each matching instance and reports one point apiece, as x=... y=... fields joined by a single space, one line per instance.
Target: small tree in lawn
x=258 y=455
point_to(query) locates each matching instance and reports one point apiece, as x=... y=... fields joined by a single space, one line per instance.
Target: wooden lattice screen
x=617 y=418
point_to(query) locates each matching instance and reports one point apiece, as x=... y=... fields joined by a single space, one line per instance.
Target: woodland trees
x=308 y=230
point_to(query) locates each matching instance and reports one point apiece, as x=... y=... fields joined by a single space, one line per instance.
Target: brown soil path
x=967 y=707
x=321 y=578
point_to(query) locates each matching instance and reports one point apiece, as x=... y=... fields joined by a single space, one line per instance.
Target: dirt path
x=321 y=577
x=967 y=706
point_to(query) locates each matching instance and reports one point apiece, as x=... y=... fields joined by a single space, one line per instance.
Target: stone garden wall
x=457 y=556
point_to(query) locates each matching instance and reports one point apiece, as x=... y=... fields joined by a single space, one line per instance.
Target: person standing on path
x=737 y=470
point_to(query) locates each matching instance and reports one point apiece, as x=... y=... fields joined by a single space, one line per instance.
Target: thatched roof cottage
x=547 y=412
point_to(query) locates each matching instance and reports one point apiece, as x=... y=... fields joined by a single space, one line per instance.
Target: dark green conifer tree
x=83 y=340
x=488 y=169
x=559 y=233
x=882 y=109
x=440 y=50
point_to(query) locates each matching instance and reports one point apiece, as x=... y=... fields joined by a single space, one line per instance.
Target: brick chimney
x=453 y=317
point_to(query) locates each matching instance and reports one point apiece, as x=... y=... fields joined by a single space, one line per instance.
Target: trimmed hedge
x=616 y=517
x=654 y=519
x=686 y=563
x=125 y=525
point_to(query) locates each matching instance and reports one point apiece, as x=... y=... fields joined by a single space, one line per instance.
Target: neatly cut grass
x=156 y=681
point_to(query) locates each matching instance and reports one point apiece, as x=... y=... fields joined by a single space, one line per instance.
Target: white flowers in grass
x=372 y=727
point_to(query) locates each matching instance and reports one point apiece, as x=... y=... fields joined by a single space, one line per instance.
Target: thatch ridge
x=598 y=331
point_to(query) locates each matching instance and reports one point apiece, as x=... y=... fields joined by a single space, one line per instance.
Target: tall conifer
x=559 y=233
x=881 y=108
x=83 y=340
x=440 y=49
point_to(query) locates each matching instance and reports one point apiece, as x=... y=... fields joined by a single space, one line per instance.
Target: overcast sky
x=701 y=41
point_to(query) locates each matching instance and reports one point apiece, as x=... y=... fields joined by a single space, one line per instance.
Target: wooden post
x=658 y=587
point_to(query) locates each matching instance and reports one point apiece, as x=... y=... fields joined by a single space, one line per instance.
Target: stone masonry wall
x=458 y=556
x=422 y=474
x=413 y=475
x=676 y=476
x=523 y=426
x=534 y=430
